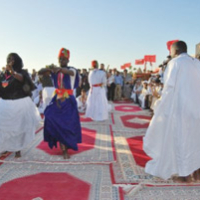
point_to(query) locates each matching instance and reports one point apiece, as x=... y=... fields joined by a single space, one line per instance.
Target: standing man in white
x=97 y=104
x=172 y=139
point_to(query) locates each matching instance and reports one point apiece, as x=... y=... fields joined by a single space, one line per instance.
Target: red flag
x=139 y=62
x=150 y=58
x=126 y=65
x=169 y=43
x=122 y=67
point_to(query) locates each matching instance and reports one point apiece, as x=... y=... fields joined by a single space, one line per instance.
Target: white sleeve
x=72 y=78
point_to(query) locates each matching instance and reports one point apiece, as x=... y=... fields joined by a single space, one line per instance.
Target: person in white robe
x=97 y=103
x=143 y=95
x=172 y=138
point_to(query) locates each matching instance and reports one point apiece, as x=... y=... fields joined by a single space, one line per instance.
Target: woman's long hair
x=18 y=63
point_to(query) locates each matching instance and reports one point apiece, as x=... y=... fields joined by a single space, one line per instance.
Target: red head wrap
x=94 y=64
x=64 y=53
x=169 y=44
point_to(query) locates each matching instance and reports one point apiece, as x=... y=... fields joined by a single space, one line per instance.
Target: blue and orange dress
x=62 y=122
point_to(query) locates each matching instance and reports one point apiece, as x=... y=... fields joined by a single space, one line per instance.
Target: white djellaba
x=172 y=139
x=97 y=104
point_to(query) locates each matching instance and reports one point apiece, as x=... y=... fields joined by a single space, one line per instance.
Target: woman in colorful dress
x=62 y=122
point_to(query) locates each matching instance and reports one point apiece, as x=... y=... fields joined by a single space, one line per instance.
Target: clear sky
x=113 y=32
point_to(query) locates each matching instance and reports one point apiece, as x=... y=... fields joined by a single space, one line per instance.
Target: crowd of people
x=118 y=85
x=61 y=93
x=90 y=92
x=57 y=91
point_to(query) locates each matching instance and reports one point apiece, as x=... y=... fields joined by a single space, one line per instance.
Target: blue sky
x=113 y=32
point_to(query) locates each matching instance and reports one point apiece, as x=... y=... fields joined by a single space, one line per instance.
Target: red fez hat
x=94 y=63
x=169 y=43
x=64 y=53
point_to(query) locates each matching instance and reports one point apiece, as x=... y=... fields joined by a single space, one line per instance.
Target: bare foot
x=64 y=150
x=189 y=179
x=183 y=179
x=196 y=175
x=62 y=146
x=18 y=154
x=178 y=179
x=65 y=154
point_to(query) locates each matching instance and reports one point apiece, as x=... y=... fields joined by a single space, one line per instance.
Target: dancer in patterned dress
x=62 y=123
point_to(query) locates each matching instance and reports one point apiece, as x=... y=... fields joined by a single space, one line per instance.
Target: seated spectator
x=81 y=101
x=156 y=92
x=143 y=96
x=137 y=89
x=149 y=97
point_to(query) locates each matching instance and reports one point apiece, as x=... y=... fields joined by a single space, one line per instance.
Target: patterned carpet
x=143 y=192
x=97 y=147
x=50 y=181
x=108 y=166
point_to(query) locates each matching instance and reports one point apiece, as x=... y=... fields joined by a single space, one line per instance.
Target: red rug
x=136 y=147
x=5 y=155
x=128 y=108
x=135 y=121
x=29 y=181
x=84 y=119
x=45 y=186
x=88 y=142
